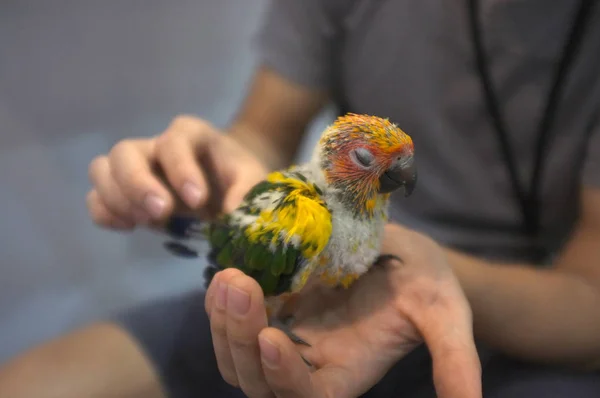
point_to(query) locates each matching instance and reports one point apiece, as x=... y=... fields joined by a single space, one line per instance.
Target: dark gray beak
x=400 y=174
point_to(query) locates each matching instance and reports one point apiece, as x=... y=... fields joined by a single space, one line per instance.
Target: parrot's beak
x=399 y=174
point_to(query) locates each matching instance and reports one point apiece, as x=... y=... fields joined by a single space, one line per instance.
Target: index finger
x=131 y=167
x=178 y=151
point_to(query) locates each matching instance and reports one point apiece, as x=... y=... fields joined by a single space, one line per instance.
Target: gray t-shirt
x=414 y=62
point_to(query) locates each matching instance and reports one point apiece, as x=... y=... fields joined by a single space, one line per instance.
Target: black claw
x=387 y=257
x=285 y=326
x=306 y=362
x=297 y=340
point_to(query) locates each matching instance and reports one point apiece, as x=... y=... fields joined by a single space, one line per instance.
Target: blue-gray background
x=75 y=77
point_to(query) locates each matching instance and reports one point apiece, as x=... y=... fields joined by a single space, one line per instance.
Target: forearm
x=273 y=119
x=99 y=361
x=270 y=153
x=535 y=314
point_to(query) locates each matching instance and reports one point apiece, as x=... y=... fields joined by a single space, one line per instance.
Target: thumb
x=288 y=375
x=285 y=372
x=234 y=197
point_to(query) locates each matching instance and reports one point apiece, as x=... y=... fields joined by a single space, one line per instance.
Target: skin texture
x=100 y=361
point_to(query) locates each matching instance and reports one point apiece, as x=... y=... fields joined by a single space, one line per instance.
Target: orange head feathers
x=364 y=156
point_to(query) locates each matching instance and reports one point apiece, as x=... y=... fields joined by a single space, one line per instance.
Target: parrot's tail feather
x=191 y=228
x=209 y=274
x=180 y=250
x=211 y=257
x=186 y=227
x=212 y=267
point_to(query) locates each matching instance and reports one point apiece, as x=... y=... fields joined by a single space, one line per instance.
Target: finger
x=289 y=377
x=234 y=197
x=218 y=326
x=102 y=216
x=211 y=291
x=108 y=191
x=178 y=151
x=456 y=365
x=131 y=164
x=284 y=370
x=246 y=318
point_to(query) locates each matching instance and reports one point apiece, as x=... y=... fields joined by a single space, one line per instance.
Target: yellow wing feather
x=305 y=217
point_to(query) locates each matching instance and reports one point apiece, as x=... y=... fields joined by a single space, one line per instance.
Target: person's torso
x=413 y=61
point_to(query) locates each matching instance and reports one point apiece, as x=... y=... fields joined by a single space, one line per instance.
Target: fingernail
x=221 y=299
x=192 y=194
x=154 y=205
x=238 y=301
x=268 y=352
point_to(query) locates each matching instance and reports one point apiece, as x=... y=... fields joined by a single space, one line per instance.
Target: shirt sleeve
x=591 y=165
x=297 y=37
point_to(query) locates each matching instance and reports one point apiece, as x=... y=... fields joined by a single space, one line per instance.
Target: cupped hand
x=190 y=166
x=356 y=335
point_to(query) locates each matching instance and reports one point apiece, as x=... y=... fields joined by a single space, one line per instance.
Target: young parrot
x=322 y=220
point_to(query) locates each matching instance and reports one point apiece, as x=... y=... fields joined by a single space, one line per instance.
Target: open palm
x=355 y=335
x=360 y=332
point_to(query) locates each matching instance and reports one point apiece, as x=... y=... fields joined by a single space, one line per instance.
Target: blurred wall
x=75 y=77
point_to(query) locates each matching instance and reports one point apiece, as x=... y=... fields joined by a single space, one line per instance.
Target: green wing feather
x=282 y=223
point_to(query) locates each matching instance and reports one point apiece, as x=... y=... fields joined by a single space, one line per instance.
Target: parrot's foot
x=387 y=257
x=285 y=326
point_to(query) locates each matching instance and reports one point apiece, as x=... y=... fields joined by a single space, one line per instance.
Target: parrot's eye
x=362 y=157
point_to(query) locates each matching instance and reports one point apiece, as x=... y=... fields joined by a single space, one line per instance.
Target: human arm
x=191 y=165
x=272 y=121
x=98 y=361
x=103 y=361
x=549 y=315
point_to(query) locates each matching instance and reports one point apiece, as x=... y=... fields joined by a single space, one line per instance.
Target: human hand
x=356 y=335
x=189 y=166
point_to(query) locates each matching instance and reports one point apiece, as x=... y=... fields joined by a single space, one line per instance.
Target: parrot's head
x=367 y=155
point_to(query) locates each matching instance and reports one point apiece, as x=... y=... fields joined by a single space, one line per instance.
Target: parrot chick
x=322 y=220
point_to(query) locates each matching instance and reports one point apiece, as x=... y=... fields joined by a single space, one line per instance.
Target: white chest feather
x=355 y=243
